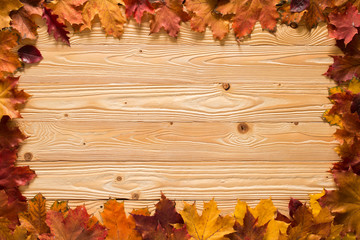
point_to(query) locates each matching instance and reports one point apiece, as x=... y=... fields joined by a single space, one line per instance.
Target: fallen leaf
x=344 y=25
x=68 y=10
x=6 y=6
x=299 y=5
x=137 y=8
x=11 y=98
x=55 y=27
x=210 y=225
x=248 y=12
x=168 y=15
x=9 y=61
x=74 y=225
x=110 y=15
x=203 y=14
x=10 y=208
x=344 y=68
x=10 y=135
x=29 y=54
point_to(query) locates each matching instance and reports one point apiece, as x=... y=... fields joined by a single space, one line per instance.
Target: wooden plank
x=173 y=142
x=139 y=34
x=196 y=180
x=252 y=102
x=182 y=64
x=226 y=207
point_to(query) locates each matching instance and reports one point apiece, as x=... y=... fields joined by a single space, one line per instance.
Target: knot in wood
x=135 y=196
x=119 y=178
x=294 y=25
x=243 y=128
x=226 y=86
x=28 y=156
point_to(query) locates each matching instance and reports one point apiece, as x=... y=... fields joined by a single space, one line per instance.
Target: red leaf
x=136 y=8
x=55 y=27
x=76 y=225
x=10 y=208
x=299 y=5
x=294 y=204
x=344 y=68
x=10 y=136
x=344 y=24
x=30 y=54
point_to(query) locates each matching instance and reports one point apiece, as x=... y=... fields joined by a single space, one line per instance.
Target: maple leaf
x=248 y=12
x=287 y=16
x=10 y=208
x=34 y=219
x=168 y=15
x=343 y=25
x=160 y=225
x=55 y=27
x=60 y=206
x=136 y=9
x=11 y=98
x=74 y=226
x=345 y=200
x=249 y=229
x=9 y=61
x=344 y=68
x=110 y=15
x=299 y=5
x=22 y=19
x=264 y=213
x=119 y=226
x=29 y=54
x=210 y=225
x=6 y=7
x=68 y=10
x=203 y=14
x=10 y=136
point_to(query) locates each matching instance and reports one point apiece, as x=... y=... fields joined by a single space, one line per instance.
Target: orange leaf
x=68 y=10
x=9 y=61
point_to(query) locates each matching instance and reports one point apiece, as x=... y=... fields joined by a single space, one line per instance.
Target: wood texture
x=128 y=118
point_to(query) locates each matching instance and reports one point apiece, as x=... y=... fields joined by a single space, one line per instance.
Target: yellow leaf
x=60 y=206
x=354 y=86
x=334 y=90
x=314 y=204
x=9 y=60
x=110 y=15
x=210 y=225
x=240 y=211
x=264 y=211
x=333 y=119
x=6 y=6
x=274 y=229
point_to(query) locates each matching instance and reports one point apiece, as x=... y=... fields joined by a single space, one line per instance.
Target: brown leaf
x=68 y=10
x=9 y=61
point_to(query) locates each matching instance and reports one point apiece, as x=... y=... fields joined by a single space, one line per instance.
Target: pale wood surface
x=128 y=118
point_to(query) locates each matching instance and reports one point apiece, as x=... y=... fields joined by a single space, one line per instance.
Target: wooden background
x=128 y=118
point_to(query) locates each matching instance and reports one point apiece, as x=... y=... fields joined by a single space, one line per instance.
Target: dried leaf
x=6 y=6
x=137 y=8
x=10 y=136
x=210 y=225
x=9 y=61
x=55 y=27
x=299 y=5
x=67 y=10
x=30 y=54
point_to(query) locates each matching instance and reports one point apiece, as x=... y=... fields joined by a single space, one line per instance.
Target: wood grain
x=195 y=180
x=173 y=142
x=158 y=64
x=178 y=103
x=139 y=34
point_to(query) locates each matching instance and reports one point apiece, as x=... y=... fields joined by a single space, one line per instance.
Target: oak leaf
x=11 y=99
x=210 y=225
x=23 y=19
x=344 y=24
x=6 y=7
x=9 y=61
x=345 y=200
x=74 y=226
x=55 y=27
x=10 y=135
x=203 y=14
x=33 y=220
x=168 y=15
x=137 y=8
x=110 y=15
x=248 y=12
x=161 y=224
x=119 y=226
x=30 y=54
x=68 y=10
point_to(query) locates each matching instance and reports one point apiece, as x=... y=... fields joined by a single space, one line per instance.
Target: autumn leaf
x=203 y=15
x=60 y=206
x=119 y=226
x=10 y=135
x=344 y=68
x=9 y=61
x=11 y=98
x=29 y=54
x=248 y=12
x=344 y=25
x=168 y=15
x=34 y=219
x=55 y=27
x=137 y=8
x=161 y=224
x=299 y=5
x=74 y=225
x=287 y=16
x=67 y=10
x=6 y=7
x=210 y=225
x=10 y=208
x=22 y=19
x=345 y=200
x=110 y=15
